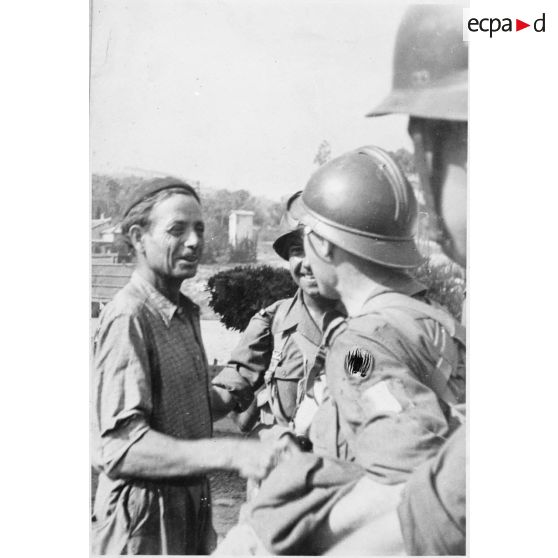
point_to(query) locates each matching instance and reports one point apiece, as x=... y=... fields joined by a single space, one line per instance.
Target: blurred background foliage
x=237 y=294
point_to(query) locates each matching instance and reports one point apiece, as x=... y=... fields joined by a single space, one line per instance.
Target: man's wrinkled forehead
x=177 y=209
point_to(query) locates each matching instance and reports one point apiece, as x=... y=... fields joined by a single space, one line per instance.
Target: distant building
x=98 y=226
x=105 y=245
x=241 y=227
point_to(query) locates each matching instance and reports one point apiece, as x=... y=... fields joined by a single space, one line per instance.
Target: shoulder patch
x=359 y=361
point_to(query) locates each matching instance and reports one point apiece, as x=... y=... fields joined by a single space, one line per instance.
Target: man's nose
x=305 y=265
x=192 y=239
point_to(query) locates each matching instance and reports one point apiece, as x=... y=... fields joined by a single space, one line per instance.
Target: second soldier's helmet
x=290 y=227
x=363 y=203
x=430 y=66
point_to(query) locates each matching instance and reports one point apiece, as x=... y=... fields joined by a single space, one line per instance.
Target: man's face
x=300 y=269
x=324 y=271
x=445 y=146
x=173 y=241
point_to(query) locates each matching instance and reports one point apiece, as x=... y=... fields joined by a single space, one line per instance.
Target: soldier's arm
x=433 y=508
x=428 y=519
x=395 y=421
x=234 y=386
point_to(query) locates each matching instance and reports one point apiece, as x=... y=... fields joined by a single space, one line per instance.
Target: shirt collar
x=407 y=286
x=298 y=316
x=159 y=302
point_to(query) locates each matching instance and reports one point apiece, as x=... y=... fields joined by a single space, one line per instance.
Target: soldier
x=265 y=377
x=430 y=84
x=393 y=368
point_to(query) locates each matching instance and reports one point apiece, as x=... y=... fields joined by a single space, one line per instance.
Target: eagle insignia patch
x=358 y=361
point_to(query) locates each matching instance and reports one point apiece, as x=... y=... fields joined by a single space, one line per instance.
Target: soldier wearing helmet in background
x=264 y=379
x=430 y=84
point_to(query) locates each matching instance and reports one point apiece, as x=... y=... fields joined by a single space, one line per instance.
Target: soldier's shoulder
x=368 y=326
x=378 y=328
x=272 y=309
x=405 y=329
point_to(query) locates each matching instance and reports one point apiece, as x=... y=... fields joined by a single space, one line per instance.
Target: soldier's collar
x=410 y=287
x=290 y=317
x=297 y=316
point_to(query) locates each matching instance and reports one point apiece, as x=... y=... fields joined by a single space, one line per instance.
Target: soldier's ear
x=136 y=238
x=322 y=247
x=328 y=249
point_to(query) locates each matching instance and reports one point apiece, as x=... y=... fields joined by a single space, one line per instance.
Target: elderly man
x=152 y=396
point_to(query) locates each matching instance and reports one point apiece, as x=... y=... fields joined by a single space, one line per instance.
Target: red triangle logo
x=519 y=25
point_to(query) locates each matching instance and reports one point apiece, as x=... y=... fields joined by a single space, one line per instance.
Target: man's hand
x=222 y=402
x=255 y=460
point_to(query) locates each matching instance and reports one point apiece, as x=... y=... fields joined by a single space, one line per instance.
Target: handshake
x=256 y=459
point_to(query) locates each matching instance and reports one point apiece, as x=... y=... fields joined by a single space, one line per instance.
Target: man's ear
x=329 y=249
x=136 y=238
x=323 y=248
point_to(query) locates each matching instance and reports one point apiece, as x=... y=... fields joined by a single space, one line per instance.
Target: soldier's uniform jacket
x=394 y=373
x=275 y=353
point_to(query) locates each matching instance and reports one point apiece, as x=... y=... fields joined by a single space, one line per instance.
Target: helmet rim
x=401 y=253
x=447 y=102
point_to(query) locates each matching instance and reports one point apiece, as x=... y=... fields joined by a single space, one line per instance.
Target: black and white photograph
x=278 y=277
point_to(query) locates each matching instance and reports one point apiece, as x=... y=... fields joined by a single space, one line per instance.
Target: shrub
x=238 y=293
x=445 y=281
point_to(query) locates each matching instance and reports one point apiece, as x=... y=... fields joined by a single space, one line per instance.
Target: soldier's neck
x=357 y=285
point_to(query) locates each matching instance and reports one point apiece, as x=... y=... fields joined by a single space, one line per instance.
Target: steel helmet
x=290 y=227
x=430 y=66
x=363 y=203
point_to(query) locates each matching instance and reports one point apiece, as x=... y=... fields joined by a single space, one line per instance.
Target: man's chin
x=184 y=272
x=312 y=291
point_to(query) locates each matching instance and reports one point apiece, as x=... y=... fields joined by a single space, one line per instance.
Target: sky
x=238 y=94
